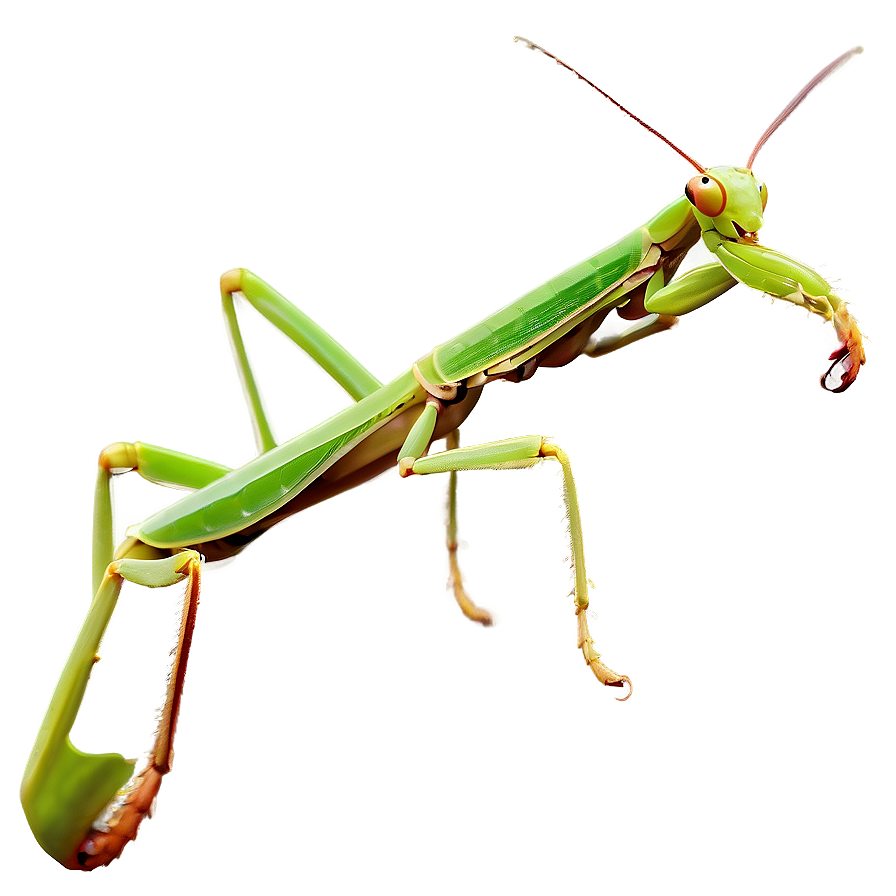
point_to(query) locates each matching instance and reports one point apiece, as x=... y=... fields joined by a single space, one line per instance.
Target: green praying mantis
x=84 y=808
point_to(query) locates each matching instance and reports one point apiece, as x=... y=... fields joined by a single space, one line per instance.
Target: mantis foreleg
x=689 y=291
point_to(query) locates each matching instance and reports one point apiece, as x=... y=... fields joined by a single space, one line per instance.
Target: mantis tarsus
x=85 y=808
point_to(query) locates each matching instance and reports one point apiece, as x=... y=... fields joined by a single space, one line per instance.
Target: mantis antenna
x=654 y=131
x=782 y=116
x=785 y=112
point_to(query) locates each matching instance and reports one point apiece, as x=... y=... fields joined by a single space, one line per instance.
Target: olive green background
x=399 y=170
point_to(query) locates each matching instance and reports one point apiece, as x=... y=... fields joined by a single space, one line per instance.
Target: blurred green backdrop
x=400 y=169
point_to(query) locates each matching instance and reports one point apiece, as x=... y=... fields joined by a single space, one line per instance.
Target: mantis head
x=728 y=200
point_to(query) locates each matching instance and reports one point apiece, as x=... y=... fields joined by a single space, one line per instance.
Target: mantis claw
x=843 y=372
x=848 y=358
x=602 y=672
x=618 y=684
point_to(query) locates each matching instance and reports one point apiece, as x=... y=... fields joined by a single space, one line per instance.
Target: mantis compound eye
x=706 y=194
x=763 y=192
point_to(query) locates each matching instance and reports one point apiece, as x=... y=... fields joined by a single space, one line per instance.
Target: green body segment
x=535 y=314
x=265 y=484
x=669 y=220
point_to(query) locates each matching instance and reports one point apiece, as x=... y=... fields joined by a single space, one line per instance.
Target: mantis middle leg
x=516 y=453
x=468 y=607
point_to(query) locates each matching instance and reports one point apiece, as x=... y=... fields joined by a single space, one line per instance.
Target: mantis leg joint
x=119 y=457
x=232 y=281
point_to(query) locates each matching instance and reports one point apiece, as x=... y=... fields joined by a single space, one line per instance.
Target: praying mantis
x=85 y=808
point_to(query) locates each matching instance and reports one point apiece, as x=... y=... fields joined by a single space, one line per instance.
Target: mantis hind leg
x=65 y=791
x=104 y=842
x=302 y=330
